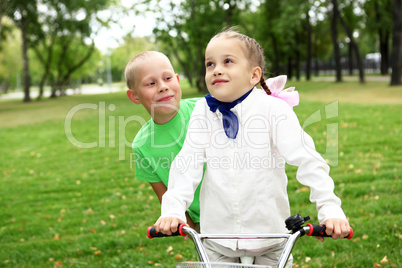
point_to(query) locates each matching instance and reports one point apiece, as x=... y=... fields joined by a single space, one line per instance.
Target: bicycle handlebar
x=319 y=230
x=311 y=230
x=152 y=233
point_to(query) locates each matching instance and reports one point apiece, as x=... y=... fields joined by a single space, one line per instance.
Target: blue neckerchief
x=230 y=121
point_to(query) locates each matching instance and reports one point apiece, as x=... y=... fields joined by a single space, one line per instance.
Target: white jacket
x=244 y=186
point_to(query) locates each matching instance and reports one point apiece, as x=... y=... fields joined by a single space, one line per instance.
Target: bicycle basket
x=217 y=265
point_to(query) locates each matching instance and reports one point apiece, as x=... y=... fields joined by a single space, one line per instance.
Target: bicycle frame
x=291 y=240
x=293 y=223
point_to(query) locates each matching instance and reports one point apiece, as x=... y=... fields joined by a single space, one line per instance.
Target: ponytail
x=264 y=85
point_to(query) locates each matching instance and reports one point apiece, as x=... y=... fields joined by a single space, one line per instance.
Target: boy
x=153 y=83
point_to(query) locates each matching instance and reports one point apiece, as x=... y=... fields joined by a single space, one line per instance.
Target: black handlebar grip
x=152 y=233
x=319 y=230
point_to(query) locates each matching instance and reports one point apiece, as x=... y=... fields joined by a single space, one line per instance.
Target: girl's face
x=228 y=72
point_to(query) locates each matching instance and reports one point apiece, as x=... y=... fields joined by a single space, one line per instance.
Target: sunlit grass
x=66 y=206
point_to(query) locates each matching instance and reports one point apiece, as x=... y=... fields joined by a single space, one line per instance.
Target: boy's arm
x=160 y=189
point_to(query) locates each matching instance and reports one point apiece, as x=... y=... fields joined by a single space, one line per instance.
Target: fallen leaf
x=97 y=252
x=376 y=265
x=170 y=248
x=384 y=260
x=308 y=259
x=303 y=189
x=178 y=257
x=93 y=230
x=56 y=237
x=58 y=264
x=365 y=236
x=103 y=222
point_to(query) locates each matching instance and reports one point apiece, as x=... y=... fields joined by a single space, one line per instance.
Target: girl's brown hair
x=254 y=51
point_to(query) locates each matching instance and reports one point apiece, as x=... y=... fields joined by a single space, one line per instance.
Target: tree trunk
x=290 y=69
x=229 y=14
x=275 y=70
x=384 y=39
x=46 y=63
x=334 y=34
x=384 y=52
x=354 y=47
x=350 y=58
x=308 y=63
x=297 y=66
x=316 y=67
x=396 y=44
x=27 y=97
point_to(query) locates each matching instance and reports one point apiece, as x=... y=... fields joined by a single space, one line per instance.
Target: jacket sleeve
x=298 y=149
x=187 y=168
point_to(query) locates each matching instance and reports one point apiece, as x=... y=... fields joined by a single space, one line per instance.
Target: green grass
x=66 y=206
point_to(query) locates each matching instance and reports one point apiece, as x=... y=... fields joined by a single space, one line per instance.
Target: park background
x=69 y=196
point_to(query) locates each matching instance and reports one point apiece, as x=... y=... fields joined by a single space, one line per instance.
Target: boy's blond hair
x=132 y=65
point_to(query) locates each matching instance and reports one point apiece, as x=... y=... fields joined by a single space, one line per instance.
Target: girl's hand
x=337 y=228
x=167 y=225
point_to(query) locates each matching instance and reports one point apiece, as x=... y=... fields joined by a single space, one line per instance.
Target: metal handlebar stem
x=291 y=240
x=197 y=242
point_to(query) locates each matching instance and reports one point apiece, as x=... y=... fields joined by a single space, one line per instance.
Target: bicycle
x=293 y=224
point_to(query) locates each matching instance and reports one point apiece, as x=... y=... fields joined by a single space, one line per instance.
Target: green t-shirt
x=156 y=146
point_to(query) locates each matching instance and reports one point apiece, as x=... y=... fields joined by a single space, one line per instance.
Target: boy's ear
x=178 y=78
x=256 y=75
x=132 y=95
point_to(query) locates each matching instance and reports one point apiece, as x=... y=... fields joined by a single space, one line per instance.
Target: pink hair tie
x=276 y=85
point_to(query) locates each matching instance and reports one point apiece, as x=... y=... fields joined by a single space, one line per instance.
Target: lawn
x=69 y=196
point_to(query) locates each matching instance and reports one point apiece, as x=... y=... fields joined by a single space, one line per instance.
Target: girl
x=245 y=137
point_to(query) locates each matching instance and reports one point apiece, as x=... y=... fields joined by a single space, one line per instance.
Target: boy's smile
x=165 y=99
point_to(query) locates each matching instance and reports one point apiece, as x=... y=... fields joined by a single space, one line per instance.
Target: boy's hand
x=167 y=225
x=337 y=228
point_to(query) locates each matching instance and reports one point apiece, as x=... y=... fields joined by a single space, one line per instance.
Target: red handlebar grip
x=149 y=230
x=350 y=234
x=152 y=233
x=319 y=230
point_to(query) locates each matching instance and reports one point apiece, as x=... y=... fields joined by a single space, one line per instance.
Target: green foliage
x=66 y=206
x=121 y=55
x=186 y=29
x=10 y=58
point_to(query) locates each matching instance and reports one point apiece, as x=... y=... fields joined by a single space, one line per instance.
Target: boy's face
x=228 y=72
x=157 y=88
